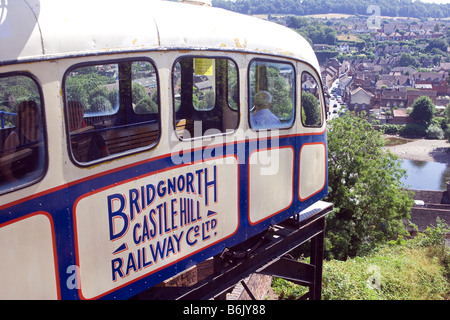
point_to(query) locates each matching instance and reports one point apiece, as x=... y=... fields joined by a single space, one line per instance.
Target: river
x=425 y=175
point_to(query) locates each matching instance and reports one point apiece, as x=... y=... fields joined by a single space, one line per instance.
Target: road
x=335 y=105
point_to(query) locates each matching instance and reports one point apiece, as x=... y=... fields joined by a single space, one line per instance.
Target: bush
x=394 y=272
x=447 y=134
x=433 y=238
x=434 y=131
x=390 y=128
x=416 y=269
x=413 y=130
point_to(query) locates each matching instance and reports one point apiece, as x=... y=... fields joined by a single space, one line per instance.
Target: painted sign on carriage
x=133 y=229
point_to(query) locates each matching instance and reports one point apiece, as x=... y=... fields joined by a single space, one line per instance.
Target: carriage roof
x=48 y=29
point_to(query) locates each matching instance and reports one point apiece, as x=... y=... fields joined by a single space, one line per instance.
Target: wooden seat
x=133 y=137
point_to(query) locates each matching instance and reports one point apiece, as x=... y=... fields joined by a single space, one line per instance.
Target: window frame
x=122 y=154
x=237 y=111
x=294 y=93
x=44 y=131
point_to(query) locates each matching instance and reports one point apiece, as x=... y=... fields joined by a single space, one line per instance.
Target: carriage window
x=205 y=96
x=271 y=95
x=22 y=149
x=111 y=108
x=311 y=114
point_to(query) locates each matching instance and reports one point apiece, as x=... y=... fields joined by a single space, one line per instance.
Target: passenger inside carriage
x=262 y=117
x=87 y=145
x=23 y=150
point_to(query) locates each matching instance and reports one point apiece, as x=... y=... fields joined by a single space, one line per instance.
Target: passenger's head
x=262 y=99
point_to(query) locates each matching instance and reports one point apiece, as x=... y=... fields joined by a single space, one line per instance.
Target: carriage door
x=271 y=118
x=312 y=139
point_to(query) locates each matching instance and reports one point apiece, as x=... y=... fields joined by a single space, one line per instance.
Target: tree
x=310 y=110
x=138 y=93
x=447 y=122
x=440 y=44
x=208 y=100
x=281 y=93
x=423 y=109
x=416 y=9
x=364 y=186
x=146 y=106
x=407 y=60
x=100 y=104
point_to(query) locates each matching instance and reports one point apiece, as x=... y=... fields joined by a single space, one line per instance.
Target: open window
x=205 y=94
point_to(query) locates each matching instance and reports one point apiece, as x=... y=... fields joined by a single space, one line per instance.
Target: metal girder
x=291 y=270
x=267 y=257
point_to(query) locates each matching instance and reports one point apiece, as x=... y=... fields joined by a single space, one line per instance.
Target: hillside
x=405 y=8
x=415 y=269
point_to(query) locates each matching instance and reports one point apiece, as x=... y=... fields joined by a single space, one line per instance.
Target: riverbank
x=422 y=150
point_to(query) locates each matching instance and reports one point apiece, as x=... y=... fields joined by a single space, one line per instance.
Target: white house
x=360 y=100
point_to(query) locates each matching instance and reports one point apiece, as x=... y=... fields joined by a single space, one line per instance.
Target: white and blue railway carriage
x=139 y=138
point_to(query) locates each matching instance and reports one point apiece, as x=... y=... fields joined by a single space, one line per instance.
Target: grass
x=394 y=272
x=348 y=37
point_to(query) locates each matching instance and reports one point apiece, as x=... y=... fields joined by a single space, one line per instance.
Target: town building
x=360 y=100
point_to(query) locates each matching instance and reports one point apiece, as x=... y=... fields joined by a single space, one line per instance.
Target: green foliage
x=407 y=60
x=88 y=87
x=145 y=106
x=317 y=33
x=423 y=109
x=208 y=100
x=433 y=235
x=390 y=128
x=365 y=188
x=281 y=93
x=416 y=269
x=286 y=290
x=439 y=44
x=138 y=92
x=310 y=110
x=417 y=130
x=406 y=8
x=100 y=104
x=434 y=131
x=392 y=273
x=15 y=89
x=447 y=122
x=413 y=130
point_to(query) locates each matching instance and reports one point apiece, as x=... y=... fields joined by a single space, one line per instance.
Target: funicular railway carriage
x=140 y=138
